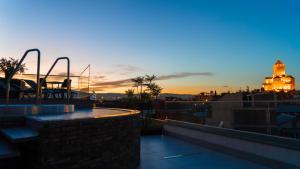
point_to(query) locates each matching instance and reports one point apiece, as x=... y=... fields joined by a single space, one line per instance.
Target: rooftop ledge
x=273 y=151
x=278 y=141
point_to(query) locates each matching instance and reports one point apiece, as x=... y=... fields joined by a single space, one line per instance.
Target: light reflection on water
x=85 y=113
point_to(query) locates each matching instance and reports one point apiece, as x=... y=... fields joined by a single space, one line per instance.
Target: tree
x=149 y=79
x=7 y=66
x=135 y=84
x=139 y=82
x=129 y=93
x=154 y=89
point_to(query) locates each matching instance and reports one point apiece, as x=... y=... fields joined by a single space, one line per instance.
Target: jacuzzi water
x=33 y=109
x=58 y=111
x=84 y=113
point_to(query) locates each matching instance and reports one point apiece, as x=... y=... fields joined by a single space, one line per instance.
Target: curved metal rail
x=16 y=70
x=68 y=74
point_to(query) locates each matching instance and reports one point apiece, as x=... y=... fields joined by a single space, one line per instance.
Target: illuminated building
x=280 y=81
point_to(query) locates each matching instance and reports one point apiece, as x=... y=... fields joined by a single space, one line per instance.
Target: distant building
x=263 y=112
x=205 y=96
x=280 y=81
x=223 y=110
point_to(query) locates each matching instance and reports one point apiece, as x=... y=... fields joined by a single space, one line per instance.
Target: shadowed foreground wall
x=93 y=143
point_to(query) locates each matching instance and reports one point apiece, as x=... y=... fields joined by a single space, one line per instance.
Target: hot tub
x=83 y=114
x=33 y=109
x=95 y=138
x=14 y=115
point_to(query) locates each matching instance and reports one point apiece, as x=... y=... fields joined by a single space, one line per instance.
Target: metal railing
x=68 y=74
x=88 y=81
x=16 y=70
x=272 y=117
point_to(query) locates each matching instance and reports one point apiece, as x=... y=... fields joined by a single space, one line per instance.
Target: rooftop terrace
x=166 y=152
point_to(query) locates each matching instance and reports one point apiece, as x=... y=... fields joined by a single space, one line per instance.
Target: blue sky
x=236 y=41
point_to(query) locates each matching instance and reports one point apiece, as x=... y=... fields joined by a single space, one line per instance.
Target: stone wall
x=12 y=121
x=181 y=115
x=93 y=143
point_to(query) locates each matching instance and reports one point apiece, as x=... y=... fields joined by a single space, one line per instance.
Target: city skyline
x=193 y=46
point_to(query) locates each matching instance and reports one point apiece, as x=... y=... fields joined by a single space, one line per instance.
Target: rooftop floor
x=165 y=152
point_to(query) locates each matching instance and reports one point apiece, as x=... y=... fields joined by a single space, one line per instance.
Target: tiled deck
x=164 y=152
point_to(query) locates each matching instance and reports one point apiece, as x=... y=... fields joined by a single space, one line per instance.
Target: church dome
x=278 y=62
x=279 y=69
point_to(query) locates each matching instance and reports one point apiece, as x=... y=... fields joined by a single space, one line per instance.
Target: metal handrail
x=68 y=75
x=16 y=70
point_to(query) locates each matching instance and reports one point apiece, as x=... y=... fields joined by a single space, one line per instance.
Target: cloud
x=127 y=69
x=63 y=74
x=117 y=83
x=183 y=74
x=99 y=77
x=107 y=85
x=104 y=86
x=112 y=84
x=93 y=80
x=101 y=86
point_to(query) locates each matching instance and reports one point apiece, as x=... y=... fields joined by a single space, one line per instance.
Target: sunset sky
x=192 y=45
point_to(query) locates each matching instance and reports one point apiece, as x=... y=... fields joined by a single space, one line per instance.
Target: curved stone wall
x=89 y=143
